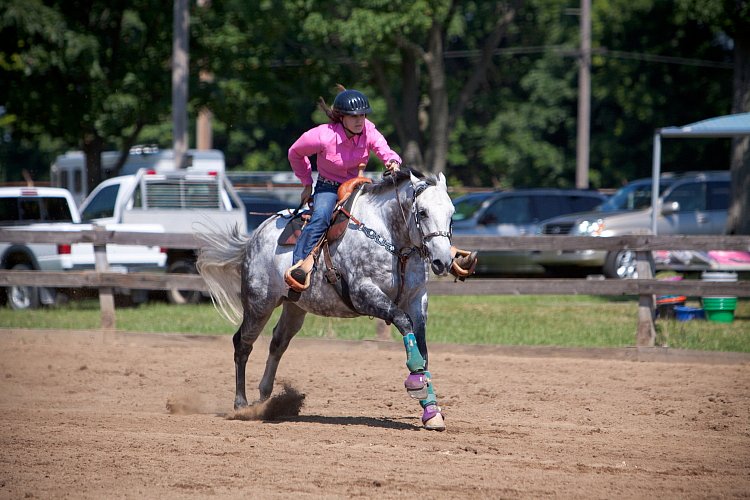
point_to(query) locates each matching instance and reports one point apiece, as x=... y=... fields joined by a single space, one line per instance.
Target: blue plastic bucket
x=686 y=313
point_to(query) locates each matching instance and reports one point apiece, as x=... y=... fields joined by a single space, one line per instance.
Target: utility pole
x=584 y=98
x=203 y=128
x=180 y=60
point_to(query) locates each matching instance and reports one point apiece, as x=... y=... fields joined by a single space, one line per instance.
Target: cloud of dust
x=287 y=403
x=186 y=404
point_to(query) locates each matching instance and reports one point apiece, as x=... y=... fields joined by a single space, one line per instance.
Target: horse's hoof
x=416 y=385
x=432 y=418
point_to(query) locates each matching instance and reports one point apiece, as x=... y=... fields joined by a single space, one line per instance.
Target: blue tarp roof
x=722 y=126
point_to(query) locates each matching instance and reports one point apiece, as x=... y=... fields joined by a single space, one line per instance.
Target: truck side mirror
x=670 y=208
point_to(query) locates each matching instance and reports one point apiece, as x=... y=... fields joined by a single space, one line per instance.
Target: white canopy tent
x=727 y=126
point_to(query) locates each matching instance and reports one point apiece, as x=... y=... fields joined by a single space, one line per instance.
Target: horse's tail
x=220 y=262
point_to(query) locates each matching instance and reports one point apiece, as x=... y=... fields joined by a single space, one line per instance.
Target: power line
x=573 y=52
x=561 y=50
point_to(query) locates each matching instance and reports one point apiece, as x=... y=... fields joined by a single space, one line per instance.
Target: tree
x=422 y=91
x=92 y=73
x=731 y=18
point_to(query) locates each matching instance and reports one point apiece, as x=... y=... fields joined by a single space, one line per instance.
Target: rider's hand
x=306 y=195
x=393 y=166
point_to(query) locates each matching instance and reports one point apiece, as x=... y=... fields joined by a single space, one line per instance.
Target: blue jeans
x=324 y=201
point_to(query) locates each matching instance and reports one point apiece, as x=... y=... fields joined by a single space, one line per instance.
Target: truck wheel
x=175 y=296
x=622 y=265
x=22 y=297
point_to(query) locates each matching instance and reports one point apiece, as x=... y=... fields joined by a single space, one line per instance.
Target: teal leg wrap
x=414 y=360
x=431 y=399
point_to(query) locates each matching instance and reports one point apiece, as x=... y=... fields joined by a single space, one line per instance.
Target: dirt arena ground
x=86 y=415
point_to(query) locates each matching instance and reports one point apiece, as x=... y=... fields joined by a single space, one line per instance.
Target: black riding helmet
x=352 y=102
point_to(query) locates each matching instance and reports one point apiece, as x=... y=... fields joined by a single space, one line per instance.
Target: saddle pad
x=293 y=229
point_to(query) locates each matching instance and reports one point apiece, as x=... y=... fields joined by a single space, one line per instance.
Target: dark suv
x=691 y=203
x=516 y=213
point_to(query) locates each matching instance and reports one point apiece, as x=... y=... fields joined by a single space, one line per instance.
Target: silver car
x=515 y=213
x=691 y=203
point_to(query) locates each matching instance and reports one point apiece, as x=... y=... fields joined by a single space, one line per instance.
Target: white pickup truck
x=53 y=209
x=182 y=201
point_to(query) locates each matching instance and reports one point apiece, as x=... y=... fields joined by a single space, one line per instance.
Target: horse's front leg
x=373 y=302
x=432 y=416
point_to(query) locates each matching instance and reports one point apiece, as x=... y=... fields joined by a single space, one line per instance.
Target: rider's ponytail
x=334 y=115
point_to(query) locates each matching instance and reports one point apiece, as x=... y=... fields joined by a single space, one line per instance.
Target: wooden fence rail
x=188 y=241
x=644 y=288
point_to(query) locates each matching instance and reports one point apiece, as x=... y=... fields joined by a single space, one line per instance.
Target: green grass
x=573 y=321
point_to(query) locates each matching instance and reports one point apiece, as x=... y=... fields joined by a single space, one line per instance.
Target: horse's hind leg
x=289 y=324
x=243 y=341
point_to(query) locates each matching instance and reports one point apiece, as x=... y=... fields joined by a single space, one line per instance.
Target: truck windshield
x=634 y=196
x=101 y=205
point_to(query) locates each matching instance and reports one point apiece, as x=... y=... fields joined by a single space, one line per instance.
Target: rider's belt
x=328 y=181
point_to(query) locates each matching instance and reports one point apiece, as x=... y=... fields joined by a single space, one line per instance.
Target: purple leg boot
x=432 y=418
x=416 y=385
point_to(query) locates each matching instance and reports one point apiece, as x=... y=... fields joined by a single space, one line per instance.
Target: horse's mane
x=387 y=181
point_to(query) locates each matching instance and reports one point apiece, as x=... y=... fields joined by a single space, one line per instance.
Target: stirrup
x=297 y=279
x=463 y=264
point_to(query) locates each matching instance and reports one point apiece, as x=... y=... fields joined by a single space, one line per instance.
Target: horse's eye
x=422 y=214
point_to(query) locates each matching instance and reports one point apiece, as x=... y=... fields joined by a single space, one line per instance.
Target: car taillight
x=213 y=173
x=63 y=249
x=163 y=249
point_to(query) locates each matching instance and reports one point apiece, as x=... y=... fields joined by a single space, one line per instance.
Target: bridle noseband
x=419 y=188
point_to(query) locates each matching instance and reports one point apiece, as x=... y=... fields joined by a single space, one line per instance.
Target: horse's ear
x=442 y=182
x=414 y=179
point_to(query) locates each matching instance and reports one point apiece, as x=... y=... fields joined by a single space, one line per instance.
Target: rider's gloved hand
x=393 y=166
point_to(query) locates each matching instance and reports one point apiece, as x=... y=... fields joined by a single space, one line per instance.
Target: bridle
x=420 y=188
x=405 y=253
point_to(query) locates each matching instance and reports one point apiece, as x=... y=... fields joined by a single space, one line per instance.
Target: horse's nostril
x=437 y=266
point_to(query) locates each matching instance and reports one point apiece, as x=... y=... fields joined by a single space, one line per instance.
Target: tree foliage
x=88 y=73
x=484 y=91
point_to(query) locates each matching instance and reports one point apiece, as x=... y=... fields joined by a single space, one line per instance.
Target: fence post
x=106 y=295
x=646 y=334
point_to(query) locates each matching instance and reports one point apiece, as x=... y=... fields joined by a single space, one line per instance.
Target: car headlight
x=591 y=227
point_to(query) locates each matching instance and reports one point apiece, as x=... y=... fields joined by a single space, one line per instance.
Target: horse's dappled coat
x=245 y=274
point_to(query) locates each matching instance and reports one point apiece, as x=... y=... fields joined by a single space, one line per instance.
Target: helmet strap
x=349 y=132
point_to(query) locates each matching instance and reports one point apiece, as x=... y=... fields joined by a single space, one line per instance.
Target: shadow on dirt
x=384 y=423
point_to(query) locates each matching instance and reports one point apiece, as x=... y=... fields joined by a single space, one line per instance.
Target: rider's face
x=355 y=123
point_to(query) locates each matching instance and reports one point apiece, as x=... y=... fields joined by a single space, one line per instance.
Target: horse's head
x=432 y=210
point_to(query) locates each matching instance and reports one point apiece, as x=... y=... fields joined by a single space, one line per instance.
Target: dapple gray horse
x=398 y=227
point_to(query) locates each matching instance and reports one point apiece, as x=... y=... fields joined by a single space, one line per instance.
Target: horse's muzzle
x=439 y=267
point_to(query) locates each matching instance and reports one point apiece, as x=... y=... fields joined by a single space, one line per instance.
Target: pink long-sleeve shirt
x=338 y=156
